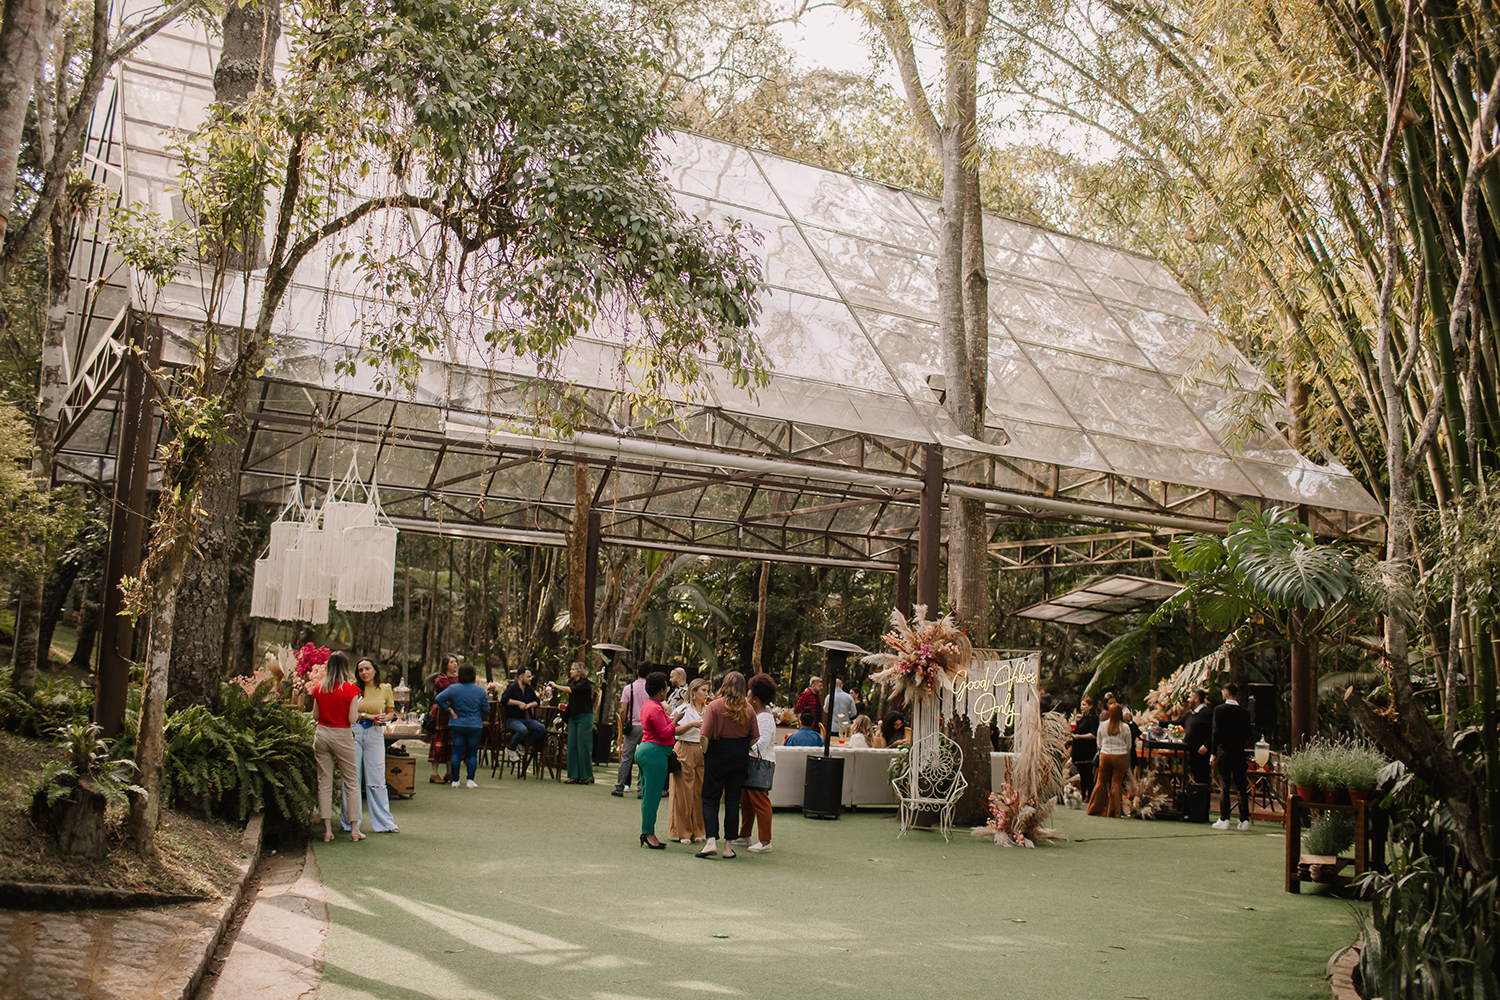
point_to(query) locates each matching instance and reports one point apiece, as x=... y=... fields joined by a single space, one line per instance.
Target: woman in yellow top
x=378 y=704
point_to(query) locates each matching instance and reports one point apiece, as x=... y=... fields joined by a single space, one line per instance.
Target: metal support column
x=929 y=529
x=903 y=580
x=127 y=529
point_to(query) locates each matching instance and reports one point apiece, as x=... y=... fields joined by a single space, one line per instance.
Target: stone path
x=107 y=954
x=276 y=950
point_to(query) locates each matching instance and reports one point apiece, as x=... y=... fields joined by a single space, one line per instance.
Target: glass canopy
x=1104 y=400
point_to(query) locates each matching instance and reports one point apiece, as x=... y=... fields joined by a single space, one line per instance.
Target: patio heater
x=823 y=788
x=612 y=653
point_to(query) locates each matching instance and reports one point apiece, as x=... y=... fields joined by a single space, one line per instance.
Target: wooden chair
x=932 y=781
x=492 y=737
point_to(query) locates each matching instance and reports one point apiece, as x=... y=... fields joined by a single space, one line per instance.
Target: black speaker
x=823 y=787
x=1263 y=701
x=1198 y=801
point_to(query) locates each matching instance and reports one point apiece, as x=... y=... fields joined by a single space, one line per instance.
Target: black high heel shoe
x=646 y=839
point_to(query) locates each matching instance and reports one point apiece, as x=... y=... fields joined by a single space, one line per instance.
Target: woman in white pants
x=377 y=704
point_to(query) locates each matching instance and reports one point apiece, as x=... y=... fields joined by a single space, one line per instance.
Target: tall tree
x=521 y=137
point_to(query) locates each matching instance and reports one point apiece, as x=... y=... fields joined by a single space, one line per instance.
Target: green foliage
x=26 y=513
x=257 y=751
x=1331 y=834
x=1430 y=933
x=1114 y=657
x=52 y=705
x=88 y=760
x=1334 y=765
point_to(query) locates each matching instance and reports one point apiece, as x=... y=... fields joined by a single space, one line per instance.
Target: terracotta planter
x=1307 y=793
x=1335 y=797
x=1357 y=795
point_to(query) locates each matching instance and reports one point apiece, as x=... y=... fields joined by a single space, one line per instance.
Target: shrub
x=1428 y=933
x=54 y=705
x=1330 y=834
x=1304 y=766
x=257 y=751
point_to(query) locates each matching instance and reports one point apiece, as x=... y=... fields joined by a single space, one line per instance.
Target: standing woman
x=755 y=805
x=440 y=747
x=1085 y=746
x=377 y=703
x=685 y=812
x=729 y=728
x=580 y=716
x=657 y=734
x=1114 y=760
x=335 y=709
x=466 y=703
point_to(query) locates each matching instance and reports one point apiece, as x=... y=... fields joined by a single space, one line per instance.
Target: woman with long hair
x=377 y=703
x=580 y=716
x=1114 y=760
x=755 y=805
x=861 y=733
x=1085 y=746
x=729 y=727
x=335 y=709
x=657 y=734
x=685 y=809
x=440 y=746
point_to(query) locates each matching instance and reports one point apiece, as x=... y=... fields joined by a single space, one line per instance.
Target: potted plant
x=1362 y=768
x=1332 y=778
x=70 y=802
x=1330 y=835
x=1302 y=769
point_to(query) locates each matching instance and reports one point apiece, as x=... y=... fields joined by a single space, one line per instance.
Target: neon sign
x=986 y=697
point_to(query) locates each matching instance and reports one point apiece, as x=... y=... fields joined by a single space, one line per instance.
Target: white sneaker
x=764 y=847
x=741 y=841
x=512 y=755
x=471 y=784
x=1222 y=824
x=1244 y=824
x=455 y=784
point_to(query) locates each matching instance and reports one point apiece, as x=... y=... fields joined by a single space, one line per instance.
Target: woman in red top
x=658 y=733
x=335 y=709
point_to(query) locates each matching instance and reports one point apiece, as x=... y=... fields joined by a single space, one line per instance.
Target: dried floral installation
x=928 y=655
x=1018 y=814
x=1144 y=798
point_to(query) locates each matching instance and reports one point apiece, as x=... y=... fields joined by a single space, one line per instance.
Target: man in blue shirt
x=808 y=735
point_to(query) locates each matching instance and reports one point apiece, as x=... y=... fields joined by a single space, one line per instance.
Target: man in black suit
x=1231 y=734
x=1197 y=733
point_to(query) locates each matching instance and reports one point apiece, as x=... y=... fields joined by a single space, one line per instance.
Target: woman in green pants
x=580 y=716
x=657 y=736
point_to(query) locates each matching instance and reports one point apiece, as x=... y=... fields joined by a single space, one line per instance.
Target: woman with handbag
x=685 y=811
x=440 y=741
x=657 y=736
x=755 y=800
x=729 y=727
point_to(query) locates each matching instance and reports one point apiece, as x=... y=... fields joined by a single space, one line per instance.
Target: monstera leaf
x=1277 y=558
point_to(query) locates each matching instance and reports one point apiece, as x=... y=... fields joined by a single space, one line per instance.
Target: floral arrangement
x=310 y=665
x=1168 y=699
x=928 y=654
x=250 y=683
x=1015 y=820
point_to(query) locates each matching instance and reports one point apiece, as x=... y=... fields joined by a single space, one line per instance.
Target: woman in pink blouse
x=658 y=733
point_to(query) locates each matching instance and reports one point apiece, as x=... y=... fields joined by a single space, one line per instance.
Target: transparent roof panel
x=1099 y=360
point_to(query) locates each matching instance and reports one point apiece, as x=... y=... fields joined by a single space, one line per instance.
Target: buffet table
x=866 y=775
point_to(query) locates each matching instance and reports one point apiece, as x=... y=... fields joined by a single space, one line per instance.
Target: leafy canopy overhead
x=484 y=164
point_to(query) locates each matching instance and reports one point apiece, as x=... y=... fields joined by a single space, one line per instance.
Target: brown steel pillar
x=929 y=530
x=1304 y=723
x=903 y=580
x=127 y=529
x=590 y=582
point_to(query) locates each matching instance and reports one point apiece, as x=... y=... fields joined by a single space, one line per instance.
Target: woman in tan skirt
x=685 y=824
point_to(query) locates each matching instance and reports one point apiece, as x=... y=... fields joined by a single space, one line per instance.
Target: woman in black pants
x=729 y=728
x=1085 y=746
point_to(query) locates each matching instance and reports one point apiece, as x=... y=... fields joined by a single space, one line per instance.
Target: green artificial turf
x=524 y=889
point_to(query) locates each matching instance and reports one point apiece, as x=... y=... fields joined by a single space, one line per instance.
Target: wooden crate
x=400 y=776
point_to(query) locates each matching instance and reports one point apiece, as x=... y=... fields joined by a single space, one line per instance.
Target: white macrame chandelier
x=344 y=551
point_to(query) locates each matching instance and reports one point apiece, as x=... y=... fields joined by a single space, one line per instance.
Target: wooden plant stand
x=1369 y=845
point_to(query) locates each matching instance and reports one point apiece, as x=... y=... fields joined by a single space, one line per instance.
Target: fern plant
x=88 y=762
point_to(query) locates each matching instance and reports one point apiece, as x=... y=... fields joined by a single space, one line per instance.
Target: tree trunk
x=198 y=647
x=21 y=36
x=757 y=652
x=54 y=596
x=150 y=744
x=88 y=633
x=75 y=821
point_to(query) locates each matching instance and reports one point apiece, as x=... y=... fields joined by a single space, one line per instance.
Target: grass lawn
x=538 y=889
